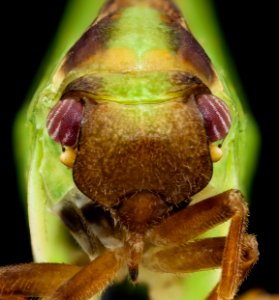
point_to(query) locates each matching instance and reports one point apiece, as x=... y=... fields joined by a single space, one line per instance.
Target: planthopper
x=138 y=159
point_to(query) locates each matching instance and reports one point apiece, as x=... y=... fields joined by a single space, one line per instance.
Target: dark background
x=249 y=32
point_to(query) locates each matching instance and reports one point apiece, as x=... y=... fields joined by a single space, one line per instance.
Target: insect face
x=140 y=128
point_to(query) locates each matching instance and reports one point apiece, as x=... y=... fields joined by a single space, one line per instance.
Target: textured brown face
x=124 y=149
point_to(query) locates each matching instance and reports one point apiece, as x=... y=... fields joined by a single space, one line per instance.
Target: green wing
x=38 y=160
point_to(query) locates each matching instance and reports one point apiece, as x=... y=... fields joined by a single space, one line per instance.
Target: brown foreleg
x=33 y=280
x=190 y=257
x=238 y=256
x=58 y=281
x=11 y=298
x=91 y=280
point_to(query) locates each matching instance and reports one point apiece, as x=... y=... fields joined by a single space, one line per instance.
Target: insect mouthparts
x=133 y=273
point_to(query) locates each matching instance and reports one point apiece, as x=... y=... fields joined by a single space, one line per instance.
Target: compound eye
x=64 y=121
x=216 y=115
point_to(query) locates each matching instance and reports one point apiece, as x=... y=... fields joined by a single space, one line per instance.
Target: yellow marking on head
x=159 y=59
x=124 y=59
x=68 y=157
x=112 y=60
x=118 y=59
x=216 y=152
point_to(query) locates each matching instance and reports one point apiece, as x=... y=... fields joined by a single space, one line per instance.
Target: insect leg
x=11 y=298
x=258 y=294
x=194 y=220
x=230 y=282
x=34 y=279
x=92 y=279
x=238 y=257
x=193 y=256
x=186 y=258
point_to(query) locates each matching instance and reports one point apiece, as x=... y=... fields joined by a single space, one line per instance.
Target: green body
x=143 y=56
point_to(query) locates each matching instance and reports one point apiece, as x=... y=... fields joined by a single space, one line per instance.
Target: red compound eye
x=63 y=122
x=216 y=116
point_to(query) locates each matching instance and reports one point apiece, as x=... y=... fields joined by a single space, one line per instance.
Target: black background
x=249 y=32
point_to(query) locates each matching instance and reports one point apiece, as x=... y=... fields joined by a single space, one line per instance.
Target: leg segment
x=249 y=256
x=11 y=298
x=33 y=280
x=58 y=281
x=193 y=256
x=258 y=295
x=196 y=219
x=91 y=280
x=240 y=251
